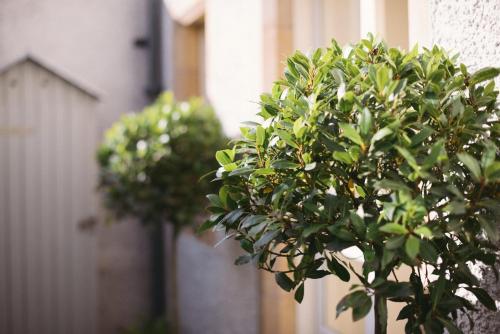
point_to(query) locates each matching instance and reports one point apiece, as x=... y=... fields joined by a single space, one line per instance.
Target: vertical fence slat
x=32 y=205
x=15 y=161
x=4 y=205
x=77 y=126
x=58 y=216
x=50 y=187
x=45 y=193
x=68 y=228
x=90 y=240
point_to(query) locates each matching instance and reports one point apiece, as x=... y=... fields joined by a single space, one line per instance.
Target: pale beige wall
x=387 y=19
x=341 y=21
x=395 y=23
x=317 y=22
x=419 y=23
x=233 y=39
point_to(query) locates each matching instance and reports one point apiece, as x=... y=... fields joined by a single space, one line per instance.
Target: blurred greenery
x=151 y=162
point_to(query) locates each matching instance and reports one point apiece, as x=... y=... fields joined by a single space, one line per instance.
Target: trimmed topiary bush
x=150 y=162
x=393 y=152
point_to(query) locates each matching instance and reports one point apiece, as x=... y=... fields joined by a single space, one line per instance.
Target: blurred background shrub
x=151 y=162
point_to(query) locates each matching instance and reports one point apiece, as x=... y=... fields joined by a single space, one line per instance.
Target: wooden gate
x=47 y=173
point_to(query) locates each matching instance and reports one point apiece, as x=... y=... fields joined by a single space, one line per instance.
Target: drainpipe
x=155 y=84
x=154 y=88
x=153 y=44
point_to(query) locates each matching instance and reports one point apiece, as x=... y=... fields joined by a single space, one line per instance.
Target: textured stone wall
x=472 y=28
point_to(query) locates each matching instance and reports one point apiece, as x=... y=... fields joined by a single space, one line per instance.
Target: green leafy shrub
x=150 y=162
x=391 y=152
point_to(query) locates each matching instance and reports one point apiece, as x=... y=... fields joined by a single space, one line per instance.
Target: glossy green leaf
x=490 y=227
x=312 y=229
x=365 y=122
x=362 y=309
x=287 y=137
x=408 y=157
x=299 y=293
x=487 y=73
x=393 y=228
x=483 y=297
x=412 y=246
x=423 y=231
x=421 y=135
x=299 y=127
x=381 y=134
x=342 y=157
x=284 y=164
x=336 y=268
x=472 y=164
x=260 y=135
x=382 y=78
x=349 y=132
x=492 y=172
x=224 y=157
x=284 y=281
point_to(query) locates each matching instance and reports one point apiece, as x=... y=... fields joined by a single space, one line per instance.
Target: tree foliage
x=151 y=162
x=393 y=152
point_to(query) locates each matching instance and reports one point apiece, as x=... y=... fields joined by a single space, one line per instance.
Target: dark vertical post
x=154 y=88
x=157 y=271
x=155 y=49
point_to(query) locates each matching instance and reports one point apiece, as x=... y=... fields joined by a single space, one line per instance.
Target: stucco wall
x=472 y=28
x=92 y=40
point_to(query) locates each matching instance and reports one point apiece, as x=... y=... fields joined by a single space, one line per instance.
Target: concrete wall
x=93 y=41
x=215 y=296
x=472 y=28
